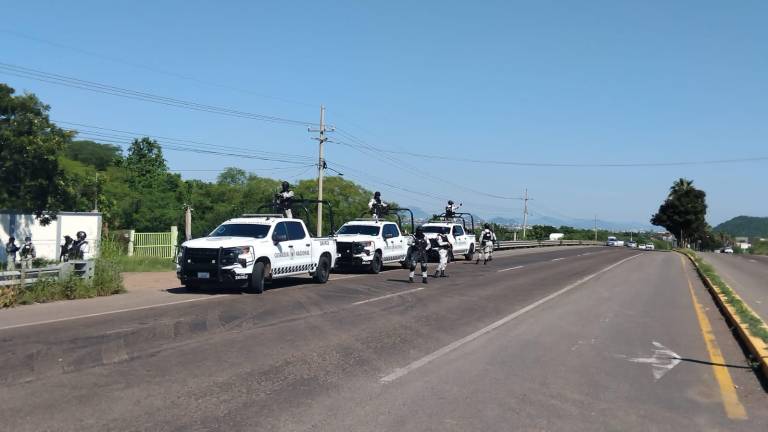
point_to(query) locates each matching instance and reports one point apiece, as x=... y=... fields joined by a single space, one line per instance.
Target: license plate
x=203 y=275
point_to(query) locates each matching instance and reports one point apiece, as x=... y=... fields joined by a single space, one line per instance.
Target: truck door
x=301 y=247
x=395 y=243
x=281 y=256
x=459 y=240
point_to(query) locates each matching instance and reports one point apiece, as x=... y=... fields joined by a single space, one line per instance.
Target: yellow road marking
x=733 y=407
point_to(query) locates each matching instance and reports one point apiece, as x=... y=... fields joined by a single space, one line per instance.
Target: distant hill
x=745 y=226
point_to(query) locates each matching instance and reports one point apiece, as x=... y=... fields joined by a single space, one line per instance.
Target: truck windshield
x=436 y=229
x=240 y=230
x=359 y=229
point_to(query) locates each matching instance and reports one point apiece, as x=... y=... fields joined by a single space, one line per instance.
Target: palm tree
x=680 y=186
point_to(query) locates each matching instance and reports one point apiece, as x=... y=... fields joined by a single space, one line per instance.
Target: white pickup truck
x=248 y=251
x=464 y=243
x=370 y=244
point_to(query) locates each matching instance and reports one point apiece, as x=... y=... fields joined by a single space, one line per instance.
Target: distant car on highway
x=728 y=250
x=643 y=247
x=631 y=244
x=650 y=246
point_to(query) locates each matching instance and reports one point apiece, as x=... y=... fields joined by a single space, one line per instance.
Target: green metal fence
x=161 y=244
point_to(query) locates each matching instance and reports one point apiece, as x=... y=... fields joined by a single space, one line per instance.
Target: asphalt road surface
x=747 y=275
x=583 y=339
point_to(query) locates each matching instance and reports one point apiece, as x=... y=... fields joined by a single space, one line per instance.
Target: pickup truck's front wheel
x=323 y=270
x=376 y=264
x=470 y=253
x=256 y=284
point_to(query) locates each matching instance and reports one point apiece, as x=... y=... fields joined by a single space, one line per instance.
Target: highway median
x=750 y=328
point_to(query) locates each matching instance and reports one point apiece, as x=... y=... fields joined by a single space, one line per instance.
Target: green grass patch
x=144 y=264
x=753 y=322
x=106 y=281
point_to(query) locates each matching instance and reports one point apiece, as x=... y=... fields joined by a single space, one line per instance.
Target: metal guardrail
x=81 y=269
x=544 y=243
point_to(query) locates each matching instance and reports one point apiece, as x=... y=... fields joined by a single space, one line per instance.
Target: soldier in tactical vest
x=27 y=253
x=80 y=247
x=444 y=247
x=284 y=199
x=377 y=206
x=10 y=253
x=487 y=238
x=418 y=253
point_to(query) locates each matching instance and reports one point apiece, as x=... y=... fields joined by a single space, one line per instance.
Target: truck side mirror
x=277 y=238
x=388 y=236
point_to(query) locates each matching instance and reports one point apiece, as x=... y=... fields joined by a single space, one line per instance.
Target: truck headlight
x=245 y=252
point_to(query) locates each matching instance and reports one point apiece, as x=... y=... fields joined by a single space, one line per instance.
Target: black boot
x=442 y=273
x=424 y=280
x=437 y=273
x=478 y=261
x=485 y=262
x=410 y=279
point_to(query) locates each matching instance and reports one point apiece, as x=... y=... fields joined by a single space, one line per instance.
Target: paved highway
x=747 y=275
x=578 y=339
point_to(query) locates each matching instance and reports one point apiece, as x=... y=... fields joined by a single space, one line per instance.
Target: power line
x=400 y=164
x=150 y=68
x=92 y=86
x=560 y=165
x=98 y=132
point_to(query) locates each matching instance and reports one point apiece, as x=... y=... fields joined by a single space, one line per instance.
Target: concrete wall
x=48 y=238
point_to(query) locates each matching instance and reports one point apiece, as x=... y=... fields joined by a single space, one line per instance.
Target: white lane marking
x=508 y=269
x=386 y=296
x=752 y=260
x=558 y=259
x=585 y=253
x=346 y=277
x=662 y=361
x=111 y=312
x=448 y=348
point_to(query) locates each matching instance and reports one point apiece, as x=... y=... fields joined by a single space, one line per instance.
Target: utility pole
x=321 y=139
x=187 y=222
x=595 y=228
x=525 y=212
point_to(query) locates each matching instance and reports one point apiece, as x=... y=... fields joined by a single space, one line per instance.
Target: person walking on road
x=487 y=238
x=419 y=255
x=444 y=246
x=10 y=254
x=27 y=253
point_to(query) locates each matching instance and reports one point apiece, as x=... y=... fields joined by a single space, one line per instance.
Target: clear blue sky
x=570 y=82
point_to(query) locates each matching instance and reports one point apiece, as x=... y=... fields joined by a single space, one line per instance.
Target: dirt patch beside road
x=142 y=281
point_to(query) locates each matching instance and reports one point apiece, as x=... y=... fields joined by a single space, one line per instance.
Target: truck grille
x=349 y=248
x=201 y=256
x=209 y=256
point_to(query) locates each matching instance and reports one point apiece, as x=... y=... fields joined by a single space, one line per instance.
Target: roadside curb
x=755 y=345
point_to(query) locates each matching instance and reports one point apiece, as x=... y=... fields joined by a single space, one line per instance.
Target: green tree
x=92 y=153
x=683 y=212
x=233 y=177
x=30 y=146
x=145 y=163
